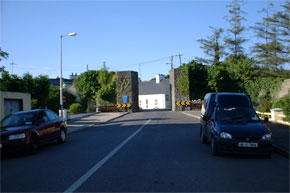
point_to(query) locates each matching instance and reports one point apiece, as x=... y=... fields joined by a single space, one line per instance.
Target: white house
x=155 y=94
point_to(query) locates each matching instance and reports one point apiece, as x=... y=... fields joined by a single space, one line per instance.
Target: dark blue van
x=230 y=123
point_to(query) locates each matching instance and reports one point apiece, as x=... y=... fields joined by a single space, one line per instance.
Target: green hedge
x=75 y=108
x=283 y=103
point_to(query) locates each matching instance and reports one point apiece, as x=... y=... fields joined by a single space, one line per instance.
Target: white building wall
x=154 y=101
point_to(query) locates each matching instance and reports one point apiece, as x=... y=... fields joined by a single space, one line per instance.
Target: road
x=141 y=152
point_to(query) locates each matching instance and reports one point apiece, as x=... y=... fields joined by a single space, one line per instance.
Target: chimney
x=157 y=78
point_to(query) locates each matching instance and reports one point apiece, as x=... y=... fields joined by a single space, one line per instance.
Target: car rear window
x=234 y=101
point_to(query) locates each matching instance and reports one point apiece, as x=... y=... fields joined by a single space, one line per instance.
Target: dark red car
x=29 y=129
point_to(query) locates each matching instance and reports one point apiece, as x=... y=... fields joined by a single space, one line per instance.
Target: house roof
x=151 y=87
x=55 y=81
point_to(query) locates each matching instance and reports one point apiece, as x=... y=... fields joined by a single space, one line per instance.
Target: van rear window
x=234 y=101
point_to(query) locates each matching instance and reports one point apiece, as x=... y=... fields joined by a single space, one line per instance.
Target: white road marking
x=195 y=116
x=91 y=171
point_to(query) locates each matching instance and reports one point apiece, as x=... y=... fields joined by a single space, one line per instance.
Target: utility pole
x=87 y=67
x=12 y=64
x=179 y=55
x=171 y=62
x=140 y=71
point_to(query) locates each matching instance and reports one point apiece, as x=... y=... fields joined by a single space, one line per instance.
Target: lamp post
x=60 y=79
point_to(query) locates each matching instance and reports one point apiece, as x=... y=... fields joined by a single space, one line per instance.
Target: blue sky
x=124 y=34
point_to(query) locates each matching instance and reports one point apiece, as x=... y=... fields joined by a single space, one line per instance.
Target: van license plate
x=246 y=144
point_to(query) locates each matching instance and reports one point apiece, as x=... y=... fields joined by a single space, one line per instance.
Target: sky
x=127 y=35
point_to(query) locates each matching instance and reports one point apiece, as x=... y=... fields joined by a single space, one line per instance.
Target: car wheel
x=33 y=145
x=214 y=149
x=62 y=136
x=203 y=137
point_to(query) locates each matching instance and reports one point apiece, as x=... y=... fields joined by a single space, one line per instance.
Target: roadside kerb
x=276 y=149
x=78 y=128
x=79 y=116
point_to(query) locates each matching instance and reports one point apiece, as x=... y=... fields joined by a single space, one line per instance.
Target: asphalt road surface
x=153 y=151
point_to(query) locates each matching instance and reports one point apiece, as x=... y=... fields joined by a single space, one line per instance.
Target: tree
x=234 y=41
x=53 y=101
x=10 y=82
x=106 y=95
x=212 y=47
x=3 y=54
x=282 y=21
x=219 y=80
x=87 y=85
x=197 y=76
x=40 y=91
x=261 y=29
x=38 y=87
x=273 y=51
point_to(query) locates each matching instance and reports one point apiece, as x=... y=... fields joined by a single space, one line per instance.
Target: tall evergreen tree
x=261 y=30
x=234 y=40
x=282 y=20
x=273 y=51
x=212 y=47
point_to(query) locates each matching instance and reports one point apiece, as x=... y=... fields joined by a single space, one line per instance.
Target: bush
x=75 y=108
x=283 y=103
x=264 y=106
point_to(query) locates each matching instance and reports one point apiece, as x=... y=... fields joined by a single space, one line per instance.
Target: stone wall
x=285 y=88
x=128 y=85
x=175 y=75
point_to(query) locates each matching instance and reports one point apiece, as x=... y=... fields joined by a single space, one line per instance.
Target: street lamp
x=60 y=80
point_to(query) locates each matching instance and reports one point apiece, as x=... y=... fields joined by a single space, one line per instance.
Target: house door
x=12 y=106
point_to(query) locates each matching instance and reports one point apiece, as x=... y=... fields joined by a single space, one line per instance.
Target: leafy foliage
x=212 y=47
x=99 y=86
x=87 y=85
x=234 y=40
x=3 y=54
x=283 y=103
x=264 y=106
x=261 y=88
x=107 y=92
x=38 y=87
x=197 y=82
x=183 y=81
x=53 y=101
x=75 y=108
x=274 y=49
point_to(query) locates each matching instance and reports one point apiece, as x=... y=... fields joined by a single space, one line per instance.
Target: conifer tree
x=273 y=51
x=212 y=47
x=234 y=39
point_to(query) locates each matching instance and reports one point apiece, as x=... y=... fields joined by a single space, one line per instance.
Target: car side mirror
x=266 y=120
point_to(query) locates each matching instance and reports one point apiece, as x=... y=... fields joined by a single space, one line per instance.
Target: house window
x=156 y=102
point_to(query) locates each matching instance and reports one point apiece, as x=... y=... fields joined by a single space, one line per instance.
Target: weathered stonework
x=175 y=75
x=285 y=89
x=127 y=85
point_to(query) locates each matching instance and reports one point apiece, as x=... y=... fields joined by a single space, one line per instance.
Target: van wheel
x=214 y=149
x=33 y=145
x=203 y=137
x=62 y=136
